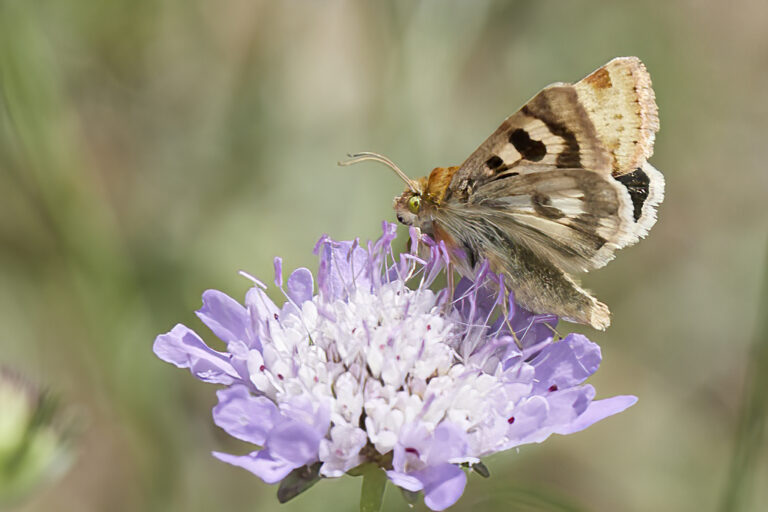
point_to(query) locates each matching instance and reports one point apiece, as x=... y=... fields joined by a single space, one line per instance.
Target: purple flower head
x=374 y=366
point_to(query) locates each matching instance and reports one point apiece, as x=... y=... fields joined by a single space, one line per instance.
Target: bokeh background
x=149 y=150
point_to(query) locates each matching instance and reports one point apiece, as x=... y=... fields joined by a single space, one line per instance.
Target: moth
x=560 y=186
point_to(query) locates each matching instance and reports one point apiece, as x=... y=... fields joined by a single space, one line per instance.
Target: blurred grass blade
x=752 y=423
x=524 y=498
x=49 y=159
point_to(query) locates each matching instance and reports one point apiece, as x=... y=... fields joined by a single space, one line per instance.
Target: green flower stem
x=372 y=493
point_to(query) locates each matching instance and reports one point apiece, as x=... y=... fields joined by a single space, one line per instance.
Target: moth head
x=410 y=206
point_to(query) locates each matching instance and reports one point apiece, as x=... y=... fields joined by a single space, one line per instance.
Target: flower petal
x=245 y=416
x=184 y=349
x=223 y=315
x=528 y=419
x=406 y=481
x=278 y=271
x=261 y=310
x=566 y=405
x=566 y=363
x=443 y=485
x=448 y=442
x=598 y=410
x=300 y=286
x=294 y=442
x=342 y=452
x=344 y=266
x=260 y=463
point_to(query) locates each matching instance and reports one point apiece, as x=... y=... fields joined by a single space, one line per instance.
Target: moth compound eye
x=414 y=203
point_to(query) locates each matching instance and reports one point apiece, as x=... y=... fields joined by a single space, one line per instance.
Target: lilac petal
x=342 y=452
x=404 y=480
x=184 y=349
x=531 y=328
x=527 y=419
x=261 y=310
x=519 y=382
x=260 y=463
x=439 y=261
x=300 y=286
x=464 y=296
x=448 y=442
x=278 y=262
x=379 y=250
x=294 y=442
x=484 y=303
x=260 y=305
x=388 y=234
x=240 y=351
x=598 y=410
x=355 y=270
x=333 y=270
x=443 y=485
x=307 y=410
x=413 y=233
x=566 y=363
x=245 y=416
x=223 y=315
x=413 y=443
x=566 y=405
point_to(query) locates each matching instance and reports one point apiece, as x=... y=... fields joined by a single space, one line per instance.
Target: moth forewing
x=621 y=104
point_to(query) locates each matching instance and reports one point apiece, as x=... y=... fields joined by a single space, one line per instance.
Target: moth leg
x=556 y=334
x=451 y=287
x=505 y=309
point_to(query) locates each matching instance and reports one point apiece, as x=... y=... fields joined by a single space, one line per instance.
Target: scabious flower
x=375 y=367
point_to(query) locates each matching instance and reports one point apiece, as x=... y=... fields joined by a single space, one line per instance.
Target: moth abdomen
x=542 y=288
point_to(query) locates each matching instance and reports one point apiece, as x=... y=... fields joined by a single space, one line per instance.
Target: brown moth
x=557 y=188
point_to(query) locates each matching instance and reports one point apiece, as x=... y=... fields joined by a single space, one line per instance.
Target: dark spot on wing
x=510 y=174
x=637 y=183
x=494 y=162
x=533 y=150
x=542 y=205
x=540 y=108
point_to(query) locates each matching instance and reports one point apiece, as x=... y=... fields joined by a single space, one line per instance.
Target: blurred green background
x=149 y=150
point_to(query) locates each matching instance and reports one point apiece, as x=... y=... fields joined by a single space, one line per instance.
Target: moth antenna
x=367 y=155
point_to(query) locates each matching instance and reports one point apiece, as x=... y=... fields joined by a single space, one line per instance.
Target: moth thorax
x=439 y=180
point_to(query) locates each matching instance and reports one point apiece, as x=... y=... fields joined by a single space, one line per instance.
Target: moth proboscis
x=560 y=186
